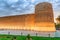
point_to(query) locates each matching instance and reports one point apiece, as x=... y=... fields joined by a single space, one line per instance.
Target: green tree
x=58 y=19
x=58 y=26
x=28 y=37
x=58 y=23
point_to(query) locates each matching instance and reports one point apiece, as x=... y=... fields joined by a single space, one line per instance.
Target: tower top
x=44 y=3
x=44 y=11
x=43 y=7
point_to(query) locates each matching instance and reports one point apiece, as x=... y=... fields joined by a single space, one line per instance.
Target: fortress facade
x=42 y=20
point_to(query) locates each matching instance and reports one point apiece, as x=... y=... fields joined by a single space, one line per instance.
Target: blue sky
x=17 y=7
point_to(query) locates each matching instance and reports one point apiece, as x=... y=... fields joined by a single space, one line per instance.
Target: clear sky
x=17 y=7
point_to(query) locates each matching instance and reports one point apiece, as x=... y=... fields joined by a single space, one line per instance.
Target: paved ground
x=33 y=33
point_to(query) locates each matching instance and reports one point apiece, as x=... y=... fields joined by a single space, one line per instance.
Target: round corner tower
x=44 y=16
x=44 y=12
